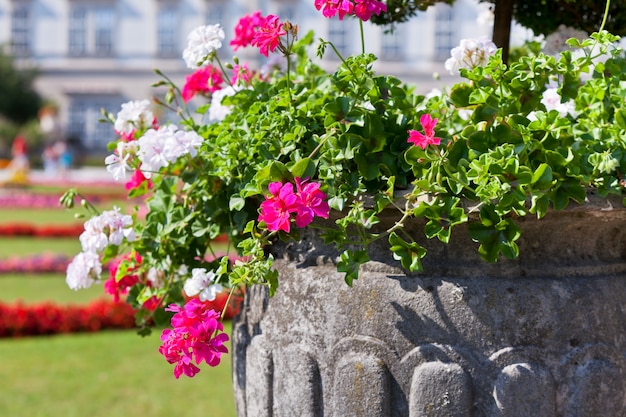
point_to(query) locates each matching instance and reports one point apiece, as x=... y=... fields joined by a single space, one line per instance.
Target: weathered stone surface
x=548 y=330
x=440 y=389
x=524 y=390
x=297 y=373
x=361 y=387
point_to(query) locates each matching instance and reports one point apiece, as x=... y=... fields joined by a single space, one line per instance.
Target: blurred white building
x=94 y=54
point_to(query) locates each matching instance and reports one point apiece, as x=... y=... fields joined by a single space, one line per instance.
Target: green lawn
x=105 y=374
x=58 y=215
x=24 y=245
x=100 y=189
x=38 y=216
x=31 y=288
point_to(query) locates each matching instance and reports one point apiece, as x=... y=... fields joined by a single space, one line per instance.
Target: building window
x=338 y=35
x=287 y=12
x=104 y=26
x=391 y=45
x=167 y=31
x=78 y=31
x=215 y=14
x=83 y=125
x=91 y=30
x=444 y=31
x=20 y=29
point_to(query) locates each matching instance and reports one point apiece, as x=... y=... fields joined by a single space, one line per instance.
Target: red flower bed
x=49 y=230
x=44 y=263
x=48 y=318
x=19 y=319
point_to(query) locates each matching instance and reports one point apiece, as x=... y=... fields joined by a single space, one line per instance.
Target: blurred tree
x=19 y=102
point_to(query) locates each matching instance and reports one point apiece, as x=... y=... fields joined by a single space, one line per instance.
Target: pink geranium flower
x=197 y=336
x=267 y=37
x=283 y=204
x=311 y=202
x=428 y=137
x=116 y=287
x=241 y=73
x=364 y=9
x=137 y=181
x=245 y=30
x=204 y=80
x=276 y=210
x=330 y=8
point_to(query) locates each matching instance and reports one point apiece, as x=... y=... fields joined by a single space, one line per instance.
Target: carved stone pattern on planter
x=542 y=336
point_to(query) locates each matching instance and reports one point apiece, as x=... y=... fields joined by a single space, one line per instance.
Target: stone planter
x=541 y=336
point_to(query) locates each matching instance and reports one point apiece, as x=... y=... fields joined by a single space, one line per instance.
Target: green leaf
x=275 y=171
x=620 y=118
x=496 y=239
x=568 y=190
x=350 y=262
x=161 y=317
x=460 y=95
x=542 y=177
x=304 y=168
x=236 y=203
x=409 y=254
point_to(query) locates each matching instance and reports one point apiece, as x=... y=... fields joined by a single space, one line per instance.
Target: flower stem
x=606 y=15
x=362 y=36
x=219 y=62
x=230 y=294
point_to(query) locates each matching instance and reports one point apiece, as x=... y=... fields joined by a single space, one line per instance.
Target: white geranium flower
x=469 y=54
x=552 y=100
x=201 y=283
x=119 y=226
x=202 y=43
x=159 y=148
x=217 y=111
x=109 y=228
x=134 y=115
x=182 y=143
x=83 y=271
x=117 y=164
x=151 y=149
x=93 y=239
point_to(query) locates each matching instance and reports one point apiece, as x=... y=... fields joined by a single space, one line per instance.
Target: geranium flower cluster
x=117 y=287
x=201 y=284
x=362 y=9
x=197 y=336
x=202 y=43
x=264 y=32
x=134 y=115
x=428 y=137
x=552 y=100
x=109 y=228
x=153 y=150
x=246 y=29
x=285 y=204
x=204 y=80
x=470 y=53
